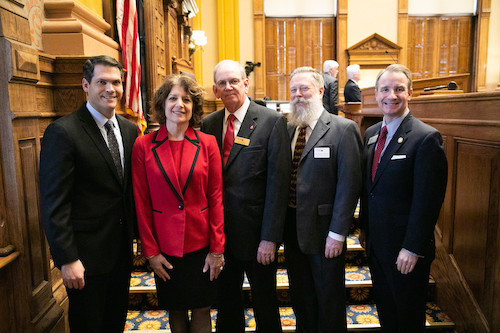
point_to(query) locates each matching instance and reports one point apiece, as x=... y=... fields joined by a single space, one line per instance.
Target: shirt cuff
x=336 y=236
x=413 y=254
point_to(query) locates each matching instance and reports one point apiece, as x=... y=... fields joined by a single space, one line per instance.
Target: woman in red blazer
x=177 y=179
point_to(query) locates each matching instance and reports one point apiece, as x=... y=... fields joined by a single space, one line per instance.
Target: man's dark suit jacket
x=400 y=208
x=256 y=179
x=87 y=213
x=352 y=93
x=331 y=94
x=328 y=188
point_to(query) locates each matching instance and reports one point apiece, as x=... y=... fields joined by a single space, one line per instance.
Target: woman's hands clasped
x=214 y=261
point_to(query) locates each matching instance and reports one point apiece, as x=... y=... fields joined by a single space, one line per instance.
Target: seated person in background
x=177 y=179
x=352 y=93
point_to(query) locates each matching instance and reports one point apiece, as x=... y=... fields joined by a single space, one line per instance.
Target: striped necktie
x=297 y=153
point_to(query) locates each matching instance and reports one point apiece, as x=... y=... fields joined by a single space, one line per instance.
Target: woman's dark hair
x=191 y=88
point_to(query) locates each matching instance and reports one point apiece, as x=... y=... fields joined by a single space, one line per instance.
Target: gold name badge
x=242 y=141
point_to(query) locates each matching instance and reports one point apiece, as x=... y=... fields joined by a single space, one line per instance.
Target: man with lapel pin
x=256 y=157
x=404 y=186
x=86 y=200
x=324 y=190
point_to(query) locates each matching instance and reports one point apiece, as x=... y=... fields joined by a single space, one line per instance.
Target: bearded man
x=325 y=186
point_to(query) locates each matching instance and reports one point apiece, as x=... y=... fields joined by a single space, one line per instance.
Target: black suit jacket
x=401 y=206
x=256 y=179
x=352 y=93
x=331 y=93
x=328 y=182
x=87 y=213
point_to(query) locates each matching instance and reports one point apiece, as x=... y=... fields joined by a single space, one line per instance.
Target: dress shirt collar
x=100 y=119
x=393 y=126
x=240 y=113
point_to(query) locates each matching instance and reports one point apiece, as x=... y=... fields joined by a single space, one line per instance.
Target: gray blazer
x=328 y=181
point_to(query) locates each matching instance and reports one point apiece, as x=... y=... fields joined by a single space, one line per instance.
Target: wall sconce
x=198 y=40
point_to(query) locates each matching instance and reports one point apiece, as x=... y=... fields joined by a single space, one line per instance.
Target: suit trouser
x=101 y=306
x=317 y=285
x=230 y=307
x=400 y=298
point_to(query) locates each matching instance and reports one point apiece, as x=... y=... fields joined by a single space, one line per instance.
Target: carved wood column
x=341 y=31
x=481 y=45
x=70 y=28
x=403 y=31
x=27 y=302
x=259 y=25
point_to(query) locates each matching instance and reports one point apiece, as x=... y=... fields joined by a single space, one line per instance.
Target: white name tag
x=398 y=157
x=322 y=152
x=373 y=139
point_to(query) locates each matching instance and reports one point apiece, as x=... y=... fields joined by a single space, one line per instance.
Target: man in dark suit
x=331 y=93
x=256 y=177
x=87 y=205
x=404 y=187
x=352 y=93
x=325 y=186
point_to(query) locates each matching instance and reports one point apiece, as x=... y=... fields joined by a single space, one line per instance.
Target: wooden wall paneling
x=481 y=44
x=341 y=41
x=292 y=43
x=26 y=287
x=467 y=262
x=403 y=31
x=260 y=50
x=274 y=55
x=439 y=46
x=474 y=216
x=154 y=27
x=172 y=37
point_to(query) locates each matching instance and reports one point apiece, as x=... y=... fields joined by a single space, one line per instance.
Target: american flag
x=127 y=27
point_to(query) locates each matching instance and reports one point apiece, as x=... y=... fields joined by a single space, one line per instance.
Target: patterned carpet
x=357 y=316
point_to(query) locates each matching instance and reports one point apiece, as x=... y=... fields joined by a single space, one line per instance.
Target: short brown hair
x=395 y=68
x=190 y=87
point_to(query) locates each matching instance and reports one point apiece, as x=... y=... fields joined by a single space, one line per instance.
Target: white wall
x=291 y=8
x=441 y=7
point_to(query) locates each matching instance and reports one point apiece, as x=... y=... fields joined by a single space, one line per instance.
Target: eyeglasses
x=233 y=83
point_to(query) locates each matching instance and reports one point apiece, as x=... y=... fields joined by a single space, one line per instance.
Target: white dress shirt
x=101 y=120
x=239 y=115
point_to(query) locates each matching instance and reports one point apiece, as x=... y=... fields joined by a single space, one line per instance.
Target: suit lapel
x=218 y=125
x=190 y=152
x=371 y=151
x=247 y=127
x=90 y=127
x=126 y=138
x=318 y=132
x=165 y=161
x=398 y=140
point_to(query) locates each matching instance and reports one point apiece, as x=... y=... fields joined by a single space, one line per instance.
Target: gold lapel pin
x=400 y=139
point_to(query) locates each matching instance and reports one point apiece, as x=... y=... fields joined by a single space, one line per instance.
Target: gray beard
x=302 y=116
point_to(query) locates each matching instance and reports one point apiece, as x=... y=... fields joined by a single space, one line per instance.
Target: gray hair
x=396 y=68
x=317 y=78
x=351 y=70
x=232 y=62
x=328 y=64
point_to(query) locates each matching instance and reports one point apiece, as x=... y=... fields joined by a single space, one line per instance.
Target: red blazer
x=178 y=215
